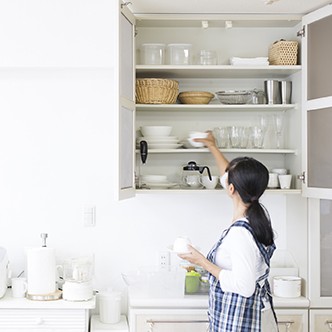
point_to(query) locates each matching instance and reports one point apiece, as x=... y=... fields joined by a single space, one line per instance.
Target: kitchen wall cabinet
x=240 y=41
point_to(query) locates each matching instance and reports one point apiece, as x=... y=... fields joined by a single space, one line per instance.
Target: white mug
x=273 y=180
x=209 y=184
x=285 y=181
x=19 y=287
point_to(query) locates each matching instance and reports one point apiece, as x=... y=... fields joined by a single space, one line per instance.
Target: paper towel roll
x=41 y=271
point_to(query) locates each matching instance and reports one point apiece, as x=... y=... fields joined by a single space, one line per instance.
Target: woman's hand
x=194 y=256
x=209 y=141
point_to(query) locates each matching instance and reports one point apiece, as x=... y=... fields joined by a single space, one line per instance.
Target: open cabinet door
x=317 y=103
x=126 y=118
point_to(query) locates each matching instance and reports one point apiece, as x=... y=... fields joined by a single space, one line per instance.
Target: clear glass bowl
x=234 y=97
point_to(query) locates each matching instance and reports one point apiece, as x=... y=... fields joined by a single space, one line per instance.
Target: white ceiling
x=226 y=6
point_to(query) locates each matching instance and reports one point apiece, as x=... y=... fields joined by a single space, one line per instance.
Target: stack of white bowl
x=158 y=137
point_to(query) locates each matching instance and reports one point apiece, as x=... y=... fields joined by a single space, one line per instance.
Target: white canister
x=109 y=307
x=287 y=286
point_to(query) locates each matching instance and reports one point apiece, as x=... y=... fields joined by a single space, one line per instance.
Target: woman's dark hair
x=250 y=178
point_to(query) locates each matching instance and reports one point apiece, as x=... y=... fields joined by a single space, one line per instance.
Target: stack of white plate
x=161 y=142
x=158 y=137
x=153 y=181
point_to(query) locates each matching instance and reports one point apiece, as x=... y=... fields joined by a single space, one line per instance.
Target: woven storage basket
x=283 y=52
x=156 y=91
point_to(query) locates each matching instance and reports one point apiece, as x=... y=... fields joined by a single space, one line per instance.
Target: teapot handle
x=201 y=170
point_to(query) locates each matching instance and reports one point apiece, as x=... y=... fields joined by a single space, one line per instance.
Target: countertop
x=201 y=302
x=9 y=302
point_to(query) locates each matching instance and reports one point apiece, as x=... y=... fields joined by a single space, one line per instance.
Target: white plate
x=157 y=138
x=160 y=185
x=170 y=248
x=164 y=146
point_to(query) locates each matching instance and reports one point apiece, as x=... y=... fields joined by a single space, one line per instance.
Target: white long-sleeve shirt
x=240 y=261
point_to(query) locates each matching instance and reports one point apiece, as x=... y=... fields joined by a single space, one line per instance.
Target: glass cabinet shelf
x=217 y=191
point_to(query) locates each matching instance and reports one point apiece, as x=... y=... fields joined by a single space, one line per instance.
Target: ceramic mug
x=273 y=180
x=19 y=287
x=285 y=181
x=209 y=184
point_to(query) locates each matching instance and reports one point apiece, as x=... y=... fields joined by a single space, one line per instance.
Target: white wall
x=56 y=149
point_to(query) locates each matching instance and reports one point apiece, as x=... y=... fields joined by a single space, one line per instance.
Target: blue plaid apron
x=231 y=312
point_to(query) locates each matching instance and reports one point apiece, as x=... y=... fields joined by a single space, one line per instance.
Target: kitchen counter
x=10 y=302
x=201 y=301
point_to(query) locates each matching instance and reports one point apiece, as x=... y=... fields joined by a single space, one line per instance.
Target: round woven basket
x=156 y=91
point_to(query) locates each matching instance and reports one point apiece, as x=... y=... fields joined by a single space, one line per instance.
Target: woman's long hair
x=250 y=178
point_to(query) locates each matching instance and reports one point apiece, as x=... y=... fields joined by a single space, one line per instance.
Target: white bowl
x=156 y=130
x=181 y=244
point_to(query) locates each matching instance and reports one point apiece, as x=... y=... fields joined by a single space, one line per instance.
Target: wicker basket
x=156 y=91
x=283 y=52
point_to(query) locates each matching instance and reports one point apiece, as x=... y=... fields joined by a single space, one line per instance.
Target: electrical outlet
x=163 y=260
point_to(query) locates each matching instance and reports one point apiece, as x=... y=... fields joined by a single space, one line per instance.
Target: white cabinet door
x=292 y=320
x=317 y=103
x=126 y=116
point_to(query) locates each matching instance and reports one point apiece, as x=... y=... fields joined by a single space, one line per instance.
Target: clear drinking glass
x=234 y=136
x=278 y=121
x=257 y=137
x=222 y=136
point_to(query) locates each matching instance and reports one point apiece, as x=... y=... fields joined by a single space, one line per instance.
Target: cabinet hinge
x=125 y=4
x=301 y=33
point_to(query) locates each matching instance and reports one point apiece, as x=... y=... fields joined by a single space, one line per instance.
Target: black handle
x=143 y=147
x=201 y=170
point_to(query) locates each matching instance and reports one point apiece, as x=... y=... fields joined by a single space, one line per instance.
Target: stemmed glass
x=278 y=126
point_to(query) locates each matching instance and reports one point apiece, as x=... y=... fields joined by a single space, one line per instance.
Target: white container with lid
x=153 y=54
x=287 y=286
x=179 y=54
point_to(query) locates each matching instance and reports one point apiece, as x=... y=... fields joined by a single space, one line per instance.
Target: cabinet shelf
x=214 y=107
x=217 y=191
x=215 y=71
x=205 y=150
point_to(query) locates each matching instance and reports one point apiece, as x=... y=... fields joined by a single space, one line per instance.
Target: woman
x=238 y=264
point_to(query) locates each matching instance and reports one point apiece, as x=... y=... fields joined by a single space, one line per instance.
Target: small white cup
x=209 y=184
x=285 y=181
x=273 y=181
x=19 y=287
x=181 y=244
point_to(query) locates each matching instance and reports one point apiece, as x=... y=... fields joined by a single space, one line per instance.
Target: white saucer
x=160 y=185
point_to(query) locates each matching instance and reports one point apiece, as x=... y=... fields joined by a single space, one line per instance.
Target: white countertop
x=201 y=301
x=9 y=302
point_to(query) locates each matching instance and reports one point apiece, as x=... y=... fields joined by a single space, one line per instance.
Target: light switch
x=89 y=215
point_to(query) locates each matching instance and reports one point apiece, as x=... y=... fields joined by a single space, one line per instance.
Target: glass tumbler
x=234 y=136
x=222 y=137
x=257 y=137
